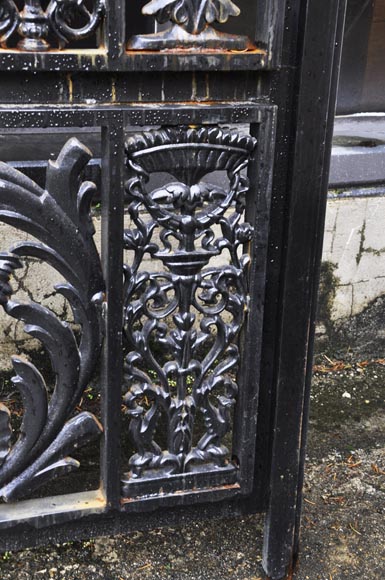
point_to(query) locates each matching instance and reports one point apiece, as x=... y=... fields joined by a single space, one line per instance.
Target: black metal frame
x=114 y=52
x=276 y=87
x=262 y=120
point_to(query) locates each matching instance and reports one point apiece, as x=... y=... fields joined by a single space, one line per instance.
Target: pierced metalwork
x=59 y=218
x=67 y=20
x=183 y=309
x=181 y=324
x=191 y=25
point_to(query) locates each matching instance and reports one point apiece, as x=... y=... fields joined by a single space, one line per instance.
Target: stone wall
x=354 y=248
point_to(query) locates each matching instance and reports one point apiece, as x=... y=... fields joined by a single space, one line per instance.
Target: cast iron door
x=164 y=168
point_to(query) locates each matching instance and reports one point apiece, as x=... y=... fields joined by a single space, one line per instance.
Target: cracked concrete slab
x=354 y=244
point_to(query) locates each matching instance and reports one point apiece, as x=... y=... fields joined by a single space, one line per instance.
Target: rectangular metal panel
x=189 y=488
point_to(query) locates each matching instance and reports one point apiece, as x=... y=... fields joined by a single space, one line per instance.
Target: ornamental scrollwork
x=9 y=20
x=191 y=25
x=58 y=217
x=181 y=324
x=66 y=20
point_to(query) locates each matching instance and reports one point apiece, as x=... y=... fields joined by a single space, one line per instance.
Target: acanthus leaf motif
x=58 y=217
x=181 y=323
x=191 y=25
x=193 y=15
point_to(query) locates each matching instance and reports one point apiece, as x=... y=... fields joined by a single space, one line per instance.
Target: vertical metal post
x=306 y=188
x=258 y=214
x=115 y=32
x=112 y=260
x=318 y=257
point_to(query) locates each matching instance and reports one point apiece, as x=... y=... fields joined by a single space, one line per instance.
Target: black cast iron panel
x=191 y=26
x=92 y=35
x=64 y=19
x=186 y=210
x=195 y=356
x=233 y=342
x=59 y=218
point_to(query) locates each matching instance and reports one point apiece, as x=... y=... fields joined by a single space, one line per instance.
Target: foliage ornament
x=191 y=25
x=67 y=20
x=182 y=323
x=59 y=219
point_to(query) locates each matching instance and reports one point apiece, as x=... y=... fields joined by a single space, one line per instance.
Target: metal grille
x=165 y=374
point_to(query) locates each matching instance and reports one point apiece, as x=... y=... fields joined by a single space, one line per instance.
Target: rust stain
x=70 y=87
x=251 y=49
x=180 y=492
x=113 y=89
x=193 y=87
x=207 y=86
